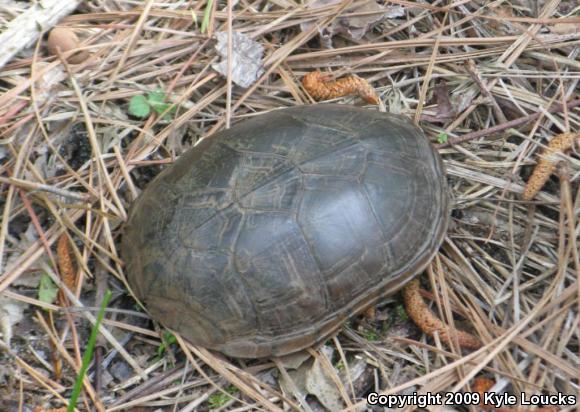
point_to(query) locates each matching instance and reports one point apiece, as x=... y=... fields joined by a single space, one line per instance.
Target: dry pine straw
x=486 y=273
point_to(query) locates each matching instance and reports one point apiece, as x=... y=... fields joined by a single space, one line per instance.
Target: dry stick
x=510 y=55
x=230 y=62
x=37 y=226
x=53 y=337
x=565 y=189
x=556 y=108
x=101 y=280
x=293 y=388
x=25 y=260
x=147 y=387
x=435 y=273
x=429 y=72
x=102 y=173
x=132 y=41
x=541 y=307
x=472 y=70
x=34 y=186
x=92 y=319
x=459 y=23
x=51 y=386
x=17 y=169
x=11 y=112
x=345 y=363
x=252 y=15
x=572 y=217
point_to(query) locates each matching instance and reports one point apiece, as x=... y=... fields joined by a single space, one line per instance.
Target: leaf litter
x=360 y=20
x=246 y=58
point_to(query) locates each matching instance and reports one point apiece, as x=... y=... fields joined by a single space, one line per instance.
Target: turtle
x=264 y=238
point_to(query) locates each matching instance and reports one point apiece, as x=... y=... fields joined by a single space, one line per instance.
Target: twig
x=556 y=108
x=471 y=68
x=29 y=185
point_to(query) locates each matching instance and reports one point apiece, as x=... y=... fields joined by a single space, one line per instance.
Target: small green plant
x=402 y=313
x=442 y=138
x=167 y=339
x=88 y=354
x=371 y=335
x=219 y=399
x=47 y=290
x=141 y=106
x=206 y=16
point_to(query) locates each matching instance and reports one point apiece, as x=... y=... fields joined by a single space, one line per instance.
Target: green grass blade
x=88 y=354
x=206 y=14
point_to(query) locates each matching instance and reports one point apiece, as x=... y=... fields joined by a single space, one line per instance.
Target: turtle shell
x=263 y=239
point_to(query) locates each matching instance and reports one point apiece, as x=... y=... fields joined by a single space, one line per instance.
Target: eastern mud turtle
x=264 y=238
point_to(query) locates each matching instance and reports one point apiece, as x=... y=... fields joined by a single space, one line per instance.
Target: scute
x=264 y=238
x=339 y=224
x=271 y=259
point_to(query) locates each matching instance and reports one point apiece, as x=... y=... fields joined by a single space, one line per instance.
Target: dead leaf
x=464 y=97
x=294 y=360
x=502 y=24
x=319 y=384
x=565 y=28
x=311 y=379
x=10 y=314
x=356 y=26
x=359 y=374
x=27 y=236
x=294 y=381
x=445 y=111
x=246 y=58
x=444 y=107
